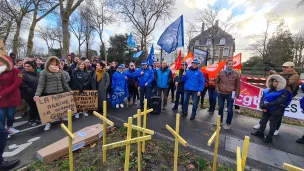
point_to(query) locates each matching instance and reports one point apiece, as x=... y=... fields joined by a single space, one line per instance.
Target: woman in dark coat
x=100 y=82
x=81 y=80
x=28 y=88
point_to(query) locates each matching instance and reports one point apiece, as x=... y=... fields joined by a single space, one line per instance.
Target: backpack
x=294 y=91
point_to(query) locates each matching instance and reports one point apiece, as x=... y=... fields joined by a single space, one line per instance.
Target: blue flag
x=131 y=41
x=173 y=36
x=137 y=54
x=151 y=56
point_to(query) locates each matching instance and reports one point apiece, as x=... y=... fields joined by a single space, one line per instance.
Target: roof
x=219 y=33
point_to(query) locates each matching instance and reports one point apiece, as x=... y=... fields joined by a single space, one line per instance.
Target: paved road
x=261 y=156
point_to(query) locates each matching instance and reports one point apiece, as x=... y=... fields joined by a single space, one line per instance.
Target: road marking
x=30 y=128
x=19 y=148
x=16 y=124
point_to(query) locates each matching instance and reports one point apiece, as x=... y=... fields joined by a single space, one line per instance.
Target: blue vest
x=162 y=78
x=272 y=96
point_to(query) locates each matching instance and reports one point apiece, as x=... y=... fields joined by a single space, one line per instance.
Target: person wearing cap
x=163 y=78
x=227 y=85
x=132 y=83
x=273 y=102
x=194 y=85
x=292 y=78
x=145 y=78
x=179 y=84
x=120 y=87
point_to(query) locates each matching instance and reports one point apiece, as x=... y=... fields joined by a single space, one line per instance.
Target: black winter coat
x=29 y=85
x=180 y=81
x=81 y=80
x=111 y=72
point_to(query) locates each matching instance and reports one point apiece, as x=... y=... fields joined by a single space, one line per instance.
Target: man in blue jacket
x=145 y=77
x=163 y=77
x=194 y=85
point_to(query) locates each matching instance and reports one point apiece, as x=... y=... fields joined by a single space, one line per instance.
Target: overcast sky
x=250 y=14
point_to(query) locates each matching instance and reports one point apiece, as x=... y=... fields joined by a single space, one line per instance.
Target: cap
x=288 y=64
x=185 y=63
x=121 y=66
x=195 y=61
x=144 y=63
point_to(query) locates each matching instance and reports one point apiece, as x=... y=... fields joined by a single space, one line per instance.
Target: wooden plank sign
x=88 y=99
x=54 y=107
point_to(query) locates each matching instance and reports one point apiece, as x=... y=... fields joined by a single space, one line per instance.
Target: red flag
x=178 y=61
x=237 y=61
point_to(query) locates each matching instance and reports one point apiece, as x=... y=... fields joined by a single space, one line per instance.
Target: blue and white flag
x=151 y=56
x=137 y=54
x=173 y=36
x=131 y=41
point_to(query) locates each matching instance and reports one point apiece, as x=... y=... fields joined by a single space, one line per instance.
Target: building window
x=209 y=42
x=222 y=41
x=226 y=52
x=217 y=52
x=196 y=43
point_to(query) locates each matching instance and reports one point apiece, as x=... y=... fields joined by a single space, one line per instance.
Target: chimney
x=216 y=22
x=203 y=27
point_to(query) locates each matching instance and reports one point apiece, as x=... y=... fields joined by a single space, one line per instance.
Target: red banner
x=249 y=96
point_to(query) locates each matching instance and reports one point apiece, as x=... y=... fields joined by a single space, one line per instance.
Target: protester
x=132 y=83
x=10 y=80
x=81 y=80
x=120 y=87
x=212 y=93
x=100 y=81
x=13 y=57
x=301 y=140
x=203 y=93
x=75 y=63
x=28 y=88
x=154 y=84
x=51 y=81
x=273 y=103
x=172 y=87
x=292 y=78
x=163 y=77
x=88 y=65
x=5 y=165
x=227 y=85
x=179 y=83
x=40 y=64
x=94 y=63
x=19 y=64
x=194 y=85
x=69 y=60
x=111 y=72
x=145 y=77
x=66 y=71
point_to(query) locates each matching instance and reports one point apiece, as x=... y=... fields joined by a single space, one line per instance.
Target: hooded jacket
x=51 y=82
x=194 y=80
x=275 y=100
x=29 y=85
x=81 y=80
x=10 y=81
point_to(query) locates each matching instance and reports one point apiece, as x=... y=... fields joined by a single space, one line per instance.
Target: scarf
x=2 y=68
x=53 y=68
x=99 y=74
x=228 y=71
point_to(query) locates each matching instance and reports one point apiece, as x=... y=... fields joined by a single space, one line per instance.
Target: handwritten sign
x=88 y=99
x=54 y=107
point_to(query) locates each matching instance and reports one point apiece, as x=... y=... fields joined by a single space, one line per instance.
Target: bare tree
x=67 y=7
x=300 y=3
x=17 y=10
x=77 y=27
x=6 y=26
x=216 y=24
x=88 y=30
x=41 y=9
x=46 y=33
x=298 y=50
x=190 y=33
x=144 y=15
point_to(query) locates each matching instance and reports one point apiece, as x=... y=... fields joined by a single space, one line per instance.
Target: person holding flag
x=194 y=85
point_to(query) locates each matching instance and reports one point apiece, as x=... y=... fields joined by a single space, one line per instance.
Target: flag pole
x=161 y=55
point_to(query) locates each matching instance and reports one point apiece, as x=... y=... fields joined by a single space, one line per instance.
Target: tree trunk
x=145 y=46
x=213 y=51
x=66 y=35
x=79 y=47
x=16 y=38
x=31 y=35
x=8 y=29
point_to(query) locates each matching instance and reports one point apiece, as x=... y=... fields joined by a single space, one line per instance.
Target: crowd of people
x=31 y=78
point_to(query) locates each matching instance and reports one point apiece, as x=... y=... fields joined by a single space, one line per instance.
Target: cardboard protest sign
x=2 y=48
x=21 y=109
x=88 y=99
x=54 y=107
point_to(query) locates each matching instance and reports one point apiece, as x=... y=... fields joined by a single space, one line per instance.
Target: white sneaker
x=47 y=126
x=226 y=110
x=276 y=132
x=77 y=116
x=65 y=119
x=85 y=114
x=117 y=106
x=121 y=105
x=227 y=127
x=12 y=131
x=8 y=136
x=238 y=111
x=257 y=126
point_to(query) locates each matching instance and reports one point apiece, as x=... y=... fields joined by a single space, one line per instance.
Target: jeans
x=221 y=102
x=172 y=89
x=165 y=92
x=7 y=113
x=3 y=139
x=187 y=95
x=178 y=95
x=212 y=98
x=145 y=92
x=202 y=96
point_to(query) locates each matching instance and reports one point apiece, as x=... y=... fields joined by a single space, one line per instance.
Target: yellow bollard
x=238 y=159
x=145 y=124
x=245 y=152
x=291 y=167
x=128 y=145
x=139 y=143
x=104 y=136
x=217 y=138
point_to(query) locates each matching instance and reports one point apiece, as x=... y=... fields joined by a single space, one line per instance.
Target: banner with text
x=88 y=100
x=250 y=98
x=54 y=107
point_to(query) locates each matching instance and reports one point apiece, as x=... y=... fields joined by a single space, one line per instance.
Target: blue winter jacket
x=194 y=80
x=148 y=76
x=302 y=99
x=164 y=77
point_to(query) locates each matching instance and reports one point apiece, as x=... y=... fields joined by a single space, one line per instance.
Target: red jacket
x=10 y=81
